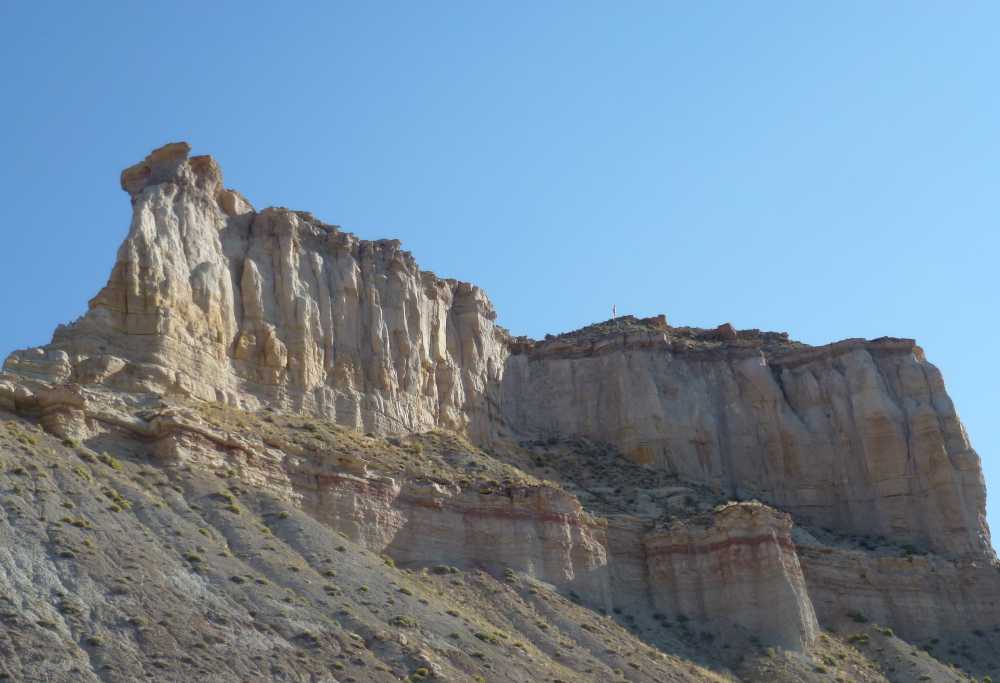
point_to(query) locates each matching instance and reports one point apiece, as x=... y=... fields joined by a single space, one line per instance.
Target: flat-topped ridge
x=630 y=332
x=652 y=331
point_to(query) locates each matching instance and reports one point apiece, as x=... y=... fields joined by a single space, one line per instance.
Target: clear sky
x=827 y=169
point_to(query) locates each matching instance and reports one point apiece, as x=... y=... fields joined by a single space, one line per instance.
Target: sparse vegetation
x=110 y=461
x=403 y=621
x=490 y=617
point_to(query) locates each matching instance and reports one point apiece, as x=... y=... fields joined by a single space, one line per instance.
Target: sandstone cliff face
x=736 y=569
x=857 y=436
x=273 y=312
x=211 y=299
x=921 y=596
x=188 y=576
x=733 y=571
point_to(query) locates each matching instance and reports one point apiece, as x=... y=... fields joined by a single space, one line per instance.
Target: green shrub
x=491 y=638
x=403 y=621
x=78 y=522
x=110 y=460
x=87 y=455
x=225 y=497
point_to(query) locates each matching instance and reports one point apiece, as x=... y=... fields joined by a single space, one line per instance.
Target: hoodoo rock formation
x=759 y=488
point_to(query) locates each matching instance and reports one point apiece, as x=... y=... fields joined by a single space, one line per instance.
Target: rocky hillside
x=273 y=451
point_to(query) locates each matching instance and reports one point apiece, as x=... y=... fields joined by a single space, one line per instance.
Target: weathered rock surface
x=211 y=299
x=737 y=569
x=612 y=465
x=858 y=436
x=134 y=567
x=734 y=568
x=922 y=596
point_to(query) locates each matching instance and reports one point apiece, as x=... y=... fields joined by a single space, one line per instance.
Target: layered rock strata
x=921 y=597
x=858 y=436
x=735 y=569
x=211 y=299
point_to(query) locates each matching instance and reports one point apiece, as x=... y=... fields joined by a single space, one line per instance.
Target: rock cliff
x=211 y=299
x=736 y=568
x=694 y=486
x=858 y=436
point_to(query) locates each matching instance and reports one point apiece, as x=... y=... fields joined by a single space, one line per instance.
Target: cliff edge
x=769 y=492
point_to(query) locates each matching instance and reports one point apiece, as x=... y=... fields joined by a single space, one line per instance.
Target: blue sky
x=828 y=169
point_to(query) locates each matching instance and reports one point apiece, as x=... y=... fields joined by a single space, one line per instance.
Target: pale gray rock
x=211 y=299
x=857 y=436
